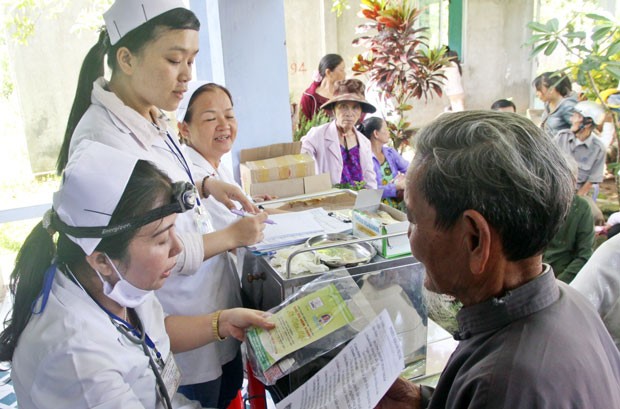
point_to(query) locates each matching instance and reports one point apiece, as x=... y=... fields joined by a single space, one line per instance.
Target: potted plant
x=398 y=61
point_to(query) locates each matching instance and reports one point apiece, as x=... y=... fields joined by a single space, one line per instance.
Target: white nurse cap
x=92 y=185
x=125 y=15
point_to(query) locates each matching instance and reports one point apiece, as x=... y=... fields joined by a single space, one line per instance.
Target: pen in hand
x=243 y=214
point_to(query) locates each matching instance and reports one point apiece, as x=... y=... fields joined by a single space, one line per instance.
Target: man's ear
x=477 y=240
x=125 y=60
x=99 y=262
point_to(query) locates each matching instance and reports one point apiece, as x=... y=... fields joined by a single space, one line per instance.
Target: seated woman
x=207 y=125
x=390 y=167
x=331 y=69
x=337 y=147
x=86 y=329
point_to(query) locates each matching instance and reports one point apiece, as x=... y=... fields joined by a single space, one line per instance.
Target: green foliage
x=19 y=23
x=304 y=125
x=13 y=234
x=338 y=6
x=595 y=63
x=6 y=87
x=398 y=60
x=355 y=186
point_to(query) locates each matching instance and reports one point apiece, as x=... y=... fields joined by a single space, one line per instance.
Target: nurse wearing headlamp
x=86 y=330
x=151 y=47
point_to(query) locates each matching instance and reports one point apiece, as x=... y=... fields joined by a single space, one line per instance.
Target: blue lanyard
x=176 y=151
x=139 y=333
x=44 y=294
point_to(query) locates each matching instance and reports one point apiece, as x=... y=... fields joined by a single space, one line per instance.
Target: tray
x=347 y=254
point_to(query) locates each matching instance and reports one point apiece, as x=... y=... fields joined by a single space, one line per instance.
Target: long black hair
x=93 y=67
x=146 y=188
x=557 y=80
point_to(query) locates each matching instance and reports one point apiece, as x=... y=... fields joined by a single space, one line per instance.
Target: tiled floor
x=7 y=395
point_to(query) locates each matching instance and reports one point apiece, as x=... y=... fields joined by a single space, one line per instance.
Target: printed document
x=359 y=376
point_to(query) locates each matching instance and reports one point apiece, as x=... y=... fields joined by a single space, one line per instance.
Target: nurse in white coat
x=150 y=48
x=212 y=374
x=86 y=330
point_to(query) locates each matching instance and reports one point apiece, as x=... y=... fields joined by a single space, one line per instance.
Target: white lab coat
x=599 y=281
x=112 y=123
x=72 y=356
x=217 y=283
x=192 y=289
x=220 y=215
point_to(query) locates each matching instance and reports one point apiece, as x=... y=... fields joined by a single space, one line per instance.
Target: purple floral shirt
x=351 y=167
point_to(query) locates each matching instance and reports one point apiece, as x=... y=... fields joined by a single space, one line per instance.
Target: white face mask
x=123 y=292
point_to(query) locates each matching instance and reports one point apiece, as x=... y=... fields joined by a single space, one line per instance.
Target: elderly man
x=485 y=193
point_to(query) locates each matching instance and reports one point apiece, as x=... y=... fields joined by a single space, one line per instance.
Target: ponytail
x=147 y=185
x=33 y=259
x=92 y=68
x=370 y=125
x=93 y=65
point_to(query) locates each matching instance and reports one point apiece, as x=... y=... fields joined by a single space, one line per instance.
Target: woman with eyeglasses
x=86 y=329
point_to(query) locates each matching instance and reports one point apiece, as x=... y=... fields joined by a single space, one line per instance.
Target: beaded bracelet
x=205 y=191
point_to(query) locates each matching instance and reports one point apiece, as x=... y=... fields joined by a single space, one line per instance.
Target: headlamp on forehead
x=184 y=196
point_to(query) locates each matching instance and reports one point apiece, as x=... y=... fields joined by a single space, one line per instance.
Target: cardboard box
x=280 y=170
x=334 y=199
x=369 y=201
x=291 y=187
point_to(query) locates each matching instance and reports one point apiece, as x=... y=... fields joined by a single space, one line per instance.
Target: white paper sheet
x=359 y=376
x=296 y=227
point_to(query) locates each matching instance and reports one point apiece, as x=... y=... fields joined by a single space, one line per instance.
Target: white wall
x=496 y=63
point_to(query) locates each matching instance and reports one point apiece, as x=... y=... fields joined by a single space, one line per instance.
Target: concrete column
x=246 y=52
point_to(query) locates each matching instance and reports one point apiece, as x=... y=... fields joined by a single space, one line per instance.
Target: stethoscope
x=139 y=336
x=136 y=335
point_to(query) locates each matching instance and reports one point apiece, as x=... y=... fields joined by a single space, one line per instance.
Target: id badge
x=171 y=375
x=202 y=219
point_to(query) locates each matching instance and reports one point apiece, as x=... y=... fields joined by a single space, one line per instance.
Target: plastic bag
x=322 y=315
